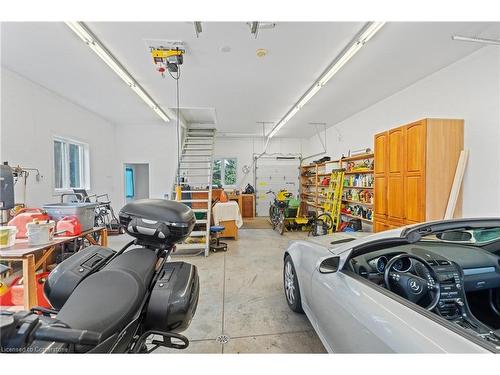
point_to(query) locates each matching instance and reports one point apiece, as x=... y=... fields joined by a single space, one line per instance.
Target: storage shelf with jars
x=358 y=189
x=313 y=183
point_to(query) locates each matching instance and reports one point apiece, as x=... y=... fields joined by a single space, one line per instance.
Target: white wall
x=30 y=116
x=152 y=144
x=468 y=89
x=244 y=148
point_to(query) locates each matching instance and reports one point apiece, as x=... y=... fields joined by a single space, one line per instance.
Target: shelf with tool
x=313 y=178
x=358 y=189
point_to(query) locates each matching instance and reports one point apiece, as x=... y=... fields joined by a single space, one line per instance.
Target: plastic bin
x=84 y=212
x=40 y=233
x=7 y=236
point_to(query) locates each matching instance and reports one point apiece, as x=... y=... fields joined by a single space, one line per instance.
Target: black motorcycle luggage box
x=63 y=279
x=174 y=298
x=157 y=221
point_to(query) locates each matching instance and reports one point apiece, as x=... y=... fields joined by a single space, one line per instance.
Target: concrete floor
x=241 y=296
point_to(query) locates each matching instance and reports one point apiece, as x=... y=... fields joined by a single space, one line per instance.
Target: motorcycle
x=277 y=210
x=104 y=301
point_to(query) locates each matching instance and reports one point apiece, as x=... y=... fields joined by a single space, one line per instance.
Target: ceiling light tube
x=356 y=44
x=476 y=40
x=371 y=31
x=312 y=91
x=340 y=63
x=100 y=50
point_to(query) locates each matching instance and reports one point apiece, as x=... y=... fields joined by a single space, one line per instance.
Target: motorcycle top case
x=174 y=298
x=157 y=222
x=63 y=279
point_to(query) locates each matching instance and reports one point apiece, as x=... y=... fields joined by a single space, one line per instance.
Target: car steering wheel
x=410 y=286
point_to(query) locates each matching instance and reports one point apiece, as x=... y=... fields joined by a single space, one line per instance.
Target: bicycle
x=277 y=210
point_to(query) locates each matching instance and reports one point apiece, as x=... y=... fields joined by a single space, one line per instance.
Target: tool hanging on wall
x=333 y=199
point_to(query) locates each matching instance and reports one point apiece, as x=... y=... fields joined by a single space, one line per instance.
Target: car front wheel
x=291 y=286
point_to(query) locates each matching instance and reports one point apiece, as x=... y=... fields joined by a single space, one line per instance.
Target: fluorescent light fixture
x=283 y=121
x=80 y=29
x=476 y=40
x=346 y=56
x=364 y=36
x=370 y=31
x=312 y=91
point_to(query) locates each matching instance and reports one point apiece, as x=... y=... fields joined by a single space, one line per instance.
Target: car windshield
x=477 y=237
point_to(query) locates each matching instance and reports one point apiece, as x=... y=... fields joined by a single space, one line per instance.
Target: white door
x=274 y=174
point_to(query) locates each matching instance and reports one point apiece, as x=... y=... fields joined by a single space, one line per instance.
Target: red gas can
x=25 y=216
x=17 y=291
x=68 y=226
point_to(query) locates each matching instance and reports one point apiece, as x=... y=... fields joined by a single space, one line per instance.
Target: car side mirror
x=329 y=265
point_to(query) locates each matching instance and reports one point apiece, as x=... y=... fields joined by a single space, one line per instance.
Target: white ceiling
x=236 y=89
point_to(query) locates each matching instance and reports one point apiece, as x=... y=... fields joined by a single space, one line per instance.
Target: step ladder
x=195 y=174
x=333 y=200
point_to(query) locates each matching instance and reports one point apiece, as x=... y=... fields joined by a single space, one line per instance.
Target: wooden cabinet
x=248 y=205
x=414 y=170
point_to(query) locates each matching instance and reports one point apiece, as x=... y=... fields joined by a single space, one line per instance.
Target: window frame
x=223 y=171
x=84 y=165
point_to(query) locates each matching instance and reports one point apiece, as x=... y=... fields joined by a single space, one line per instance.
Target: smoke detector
x=261 y=52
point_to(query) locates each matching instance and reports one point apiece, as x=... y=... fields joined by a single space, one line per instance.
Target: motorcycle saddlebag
x=174 y=298
x=157 y=222
x=68 y=274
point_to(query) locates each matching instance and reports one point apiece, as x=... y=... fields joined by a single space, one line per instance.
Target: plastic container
x=7 y=236
x=157 y=222
x=40 y=233
x=17 y=291
x=25 y=216
x=68 y=226
x=84 y=212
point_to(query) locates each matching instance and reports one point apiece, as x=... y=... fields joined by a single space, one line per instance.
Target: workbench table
x=23 y=252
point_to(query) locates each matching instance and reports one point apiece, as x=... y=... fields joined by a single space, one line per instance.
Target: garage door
x=275 y=174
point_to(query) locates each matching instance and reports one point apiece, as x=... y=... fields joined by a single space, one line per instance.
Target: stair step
x=195 y=191
x=193 y=201
x=197 y=175
x=200 y=210
x=200 y=184
x=201 y=221
x=197 y=149
x=189 y=246
x=198 y=233
x=199 y=168
x=198 y=138
x=195 y=155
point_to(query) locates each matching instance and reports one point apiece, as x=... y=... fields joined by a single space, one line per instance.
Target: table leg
x=29 y=282
x=104 y=237
x=44 y=265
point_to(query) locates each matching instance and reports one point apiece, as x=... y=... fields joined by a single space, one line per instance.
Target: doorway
x=136 y=178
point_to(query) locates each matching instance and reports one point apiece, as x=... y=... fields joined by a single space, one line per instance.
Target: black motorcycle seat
x=107 y=300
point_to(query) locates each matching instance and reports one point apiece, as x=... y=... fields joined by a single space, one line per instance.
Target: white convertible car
x=429 y=288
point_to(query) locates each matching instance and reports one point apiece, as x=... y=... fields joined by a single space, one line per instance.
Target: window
x=129 y=183
x=70 y=165
x=224 y=173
